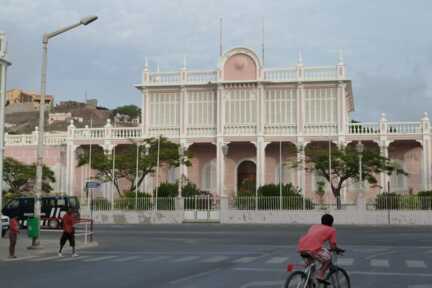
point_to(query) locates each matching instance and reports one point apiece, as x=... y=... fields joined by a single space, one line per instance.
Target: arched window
x=208 y=177
x=398 y=182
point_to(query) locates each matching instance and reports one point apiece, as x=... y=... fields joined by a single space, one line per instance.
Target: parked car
x=4 y=225
x=52 y=209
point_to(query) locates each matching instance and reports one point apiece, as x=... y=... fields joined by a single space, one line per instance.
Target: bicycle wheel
x=339 y=278
x=296 y=280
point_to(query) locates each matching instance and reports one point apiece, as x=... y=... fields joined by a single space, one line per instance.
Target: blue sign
x=92 y=184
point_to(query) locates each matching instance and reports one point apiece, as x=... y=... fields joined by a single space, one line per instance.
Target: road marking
x=415 y=264
x=72 y=258
x=263 y=284
x=154 y=259
x=345 y=261
x=245 y=260
x=379 y=263
x=44 y=258
x=214 y=259
x=194 y=276
x=185 y=259
x=277 y=260
x=18 y=258
x=130 y=258
x=100 y=258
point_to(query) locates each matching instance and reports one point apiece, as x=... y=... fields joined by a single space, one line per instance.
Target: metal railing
x=141 y=203
x=206 y=202
x=401 y=202
x=271 y=203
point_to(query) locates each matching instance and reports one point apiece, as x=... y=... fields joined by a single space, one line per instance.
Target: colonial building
x=244 y=123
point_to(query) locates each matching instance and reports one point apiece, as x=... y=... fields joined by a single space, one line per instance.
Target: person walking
x=68 y=232
x=13 y=235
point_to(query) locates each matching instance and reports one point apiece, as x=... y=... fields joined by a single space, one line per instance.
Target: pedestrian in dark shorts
x=68 y=232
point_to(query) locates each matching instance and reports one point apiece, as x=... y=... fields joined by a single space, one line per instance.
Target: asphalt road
x=196 y=255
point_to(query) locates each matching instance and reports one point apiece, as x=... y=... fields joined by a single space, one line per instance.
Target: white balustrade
x=320 y=73
x=364 y=128
x=280 y=129
x=404 y=128
x=320 y=129
x=126 y=132
x=165 y=78
x=240 y=129
x=164 y=131
x=287 y=74
x=199 y=77
x=55 y=139
x=201 y=131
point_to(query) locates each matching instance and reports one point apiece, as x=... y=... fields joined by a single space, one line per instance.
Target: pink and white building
x=242 y=121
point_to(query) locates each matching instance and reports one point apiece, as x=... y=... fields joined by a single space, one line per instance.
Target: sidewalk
x=49 y=244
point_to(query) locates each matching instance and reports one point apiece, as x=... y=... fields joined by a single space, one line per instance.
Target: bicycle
x=336 y=276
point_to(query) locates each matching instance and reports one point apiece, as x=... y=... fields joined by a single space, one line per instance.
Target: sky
x=387 y=45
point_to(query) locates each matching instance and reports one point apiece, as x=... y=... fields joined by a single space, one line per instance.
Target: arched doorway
x=246 y=176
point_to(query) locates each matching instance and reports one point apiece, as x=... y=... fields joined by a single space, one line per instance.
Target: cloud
x=387 y=54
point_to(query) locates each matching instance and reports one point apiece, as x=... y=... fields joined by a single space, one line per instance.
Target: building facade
x=244 y=124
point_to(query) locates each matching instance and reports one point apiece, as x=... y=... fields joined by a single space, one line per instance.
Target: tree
x=125 y=161
x=20 y=177
x=345 y=165
x=132 y=111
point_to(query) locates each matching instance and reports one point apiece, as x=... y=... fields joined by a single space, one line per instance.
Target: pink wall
x=240 y=67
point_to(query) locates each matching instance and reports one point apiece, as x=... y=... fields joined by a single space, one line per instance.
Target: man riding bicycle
x=311 y=244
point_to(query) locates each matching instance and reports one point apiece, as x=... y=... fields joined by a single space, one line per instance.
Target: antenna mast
x=220 y=36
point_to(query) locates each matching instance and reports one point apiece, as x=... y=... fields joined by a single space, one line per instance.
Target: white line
x=130 y=258
x=194 y=276
x=415 y=264
x=277 y=260
x=263 y=284
x=44 y=258
x=214 y=259
x=154 y=259
x=379 y=263
x=345 y=261
x=245 y=260
x=99 y=258
x=185 y=259
x=72 y=258
x=18 y=258
x=350 y=272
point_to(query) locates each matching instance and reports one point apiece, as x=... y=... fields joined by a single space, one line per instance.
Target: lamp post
x=360 y=149
x=3 y=67
x=40 y=148
x=157 y=172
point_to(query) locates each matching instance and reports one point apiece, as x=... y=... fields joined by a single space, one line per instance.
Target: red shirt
x=68 y=223
x=316 y=237
x=13 y=226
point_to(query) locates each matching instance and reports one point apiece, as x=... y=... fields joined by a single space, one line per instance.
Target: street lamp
x=40 y=148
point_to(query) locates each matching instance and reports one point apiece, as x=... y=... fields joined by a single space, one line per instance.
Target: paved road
x=224 y=256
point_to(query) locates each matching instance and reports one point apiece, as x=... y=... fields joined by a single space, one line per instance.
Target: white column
x=426 y=149
x=220 y=168
x=260 y=160
x=301 y=175
x=145 y=112
x=300 y=110
x=72 y=156
x=260 y=110
x=341 y=109
x=384 y=177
